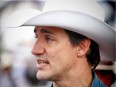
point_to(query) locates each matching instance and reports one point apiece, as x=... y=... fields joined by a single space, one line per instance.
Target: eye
x=49 y=38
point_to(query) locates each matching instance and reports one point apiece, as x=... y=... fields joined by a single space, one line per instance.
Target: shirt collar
x=96 y=82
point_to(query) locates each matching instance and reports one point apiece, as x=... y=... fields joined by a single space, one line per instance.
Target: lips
x=42 y=63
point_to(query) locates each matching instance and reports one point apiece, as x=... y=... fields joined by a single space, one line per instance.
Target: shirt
x=96 y=82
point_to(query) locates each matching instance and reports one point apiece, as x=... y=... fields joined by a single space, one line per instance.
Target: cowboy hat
x=82 y=16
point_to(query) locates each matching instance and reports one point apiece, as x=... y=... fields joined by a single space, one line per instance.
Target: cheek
x=61 y=57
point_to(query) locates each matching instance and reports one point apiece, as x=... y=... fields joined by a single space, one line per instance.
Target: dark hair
x=93 y=55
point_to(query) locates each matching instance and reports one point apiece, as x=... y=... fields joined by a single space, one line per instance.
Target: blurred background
x=17 y=64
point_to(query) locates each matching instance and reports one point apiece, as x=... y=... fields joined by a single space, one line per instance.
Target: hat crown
x=89 y=7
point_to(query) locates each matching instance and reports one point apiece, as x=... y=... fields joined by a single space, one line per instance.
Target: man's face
x=55 y=55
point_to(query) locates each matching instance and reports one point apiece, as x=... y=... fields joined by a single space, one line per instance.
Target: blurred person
x=6 y=78
x=71 y=38
x=19 y=67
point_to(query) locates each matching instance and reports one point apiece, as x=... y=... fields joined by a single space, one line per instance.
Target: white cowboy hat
x=82 y=16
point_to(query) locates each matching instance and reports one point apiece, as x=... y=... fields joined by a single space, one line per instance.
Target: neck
x=79 y=77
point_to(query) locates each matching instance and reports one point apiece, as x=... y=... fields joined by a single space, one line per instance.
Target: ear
x=83 y=47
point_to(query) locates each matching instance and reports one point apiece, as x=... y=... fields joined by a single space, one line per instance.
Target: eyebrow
x=43 y=30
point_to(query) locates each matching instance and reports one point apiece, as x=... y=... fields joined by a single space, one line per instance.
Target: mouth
x=42 y=63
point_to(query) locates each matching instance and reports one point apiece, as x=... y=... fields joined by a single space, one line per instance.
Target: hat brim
x=81 y=23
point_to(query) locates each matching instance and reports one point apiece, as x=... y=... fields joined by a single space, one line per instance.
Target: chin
x=42 y=75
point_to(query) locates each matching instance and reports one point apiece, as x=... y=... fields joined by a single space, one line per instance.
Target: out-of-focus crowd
x=18 y=70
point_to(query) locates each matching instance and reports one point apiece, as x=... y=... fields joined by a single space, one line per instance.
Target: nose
x=38 y=49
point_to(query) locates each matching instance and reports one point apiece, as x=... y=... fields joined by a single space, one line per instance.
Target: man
x=70 y=41
x=62 y=57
